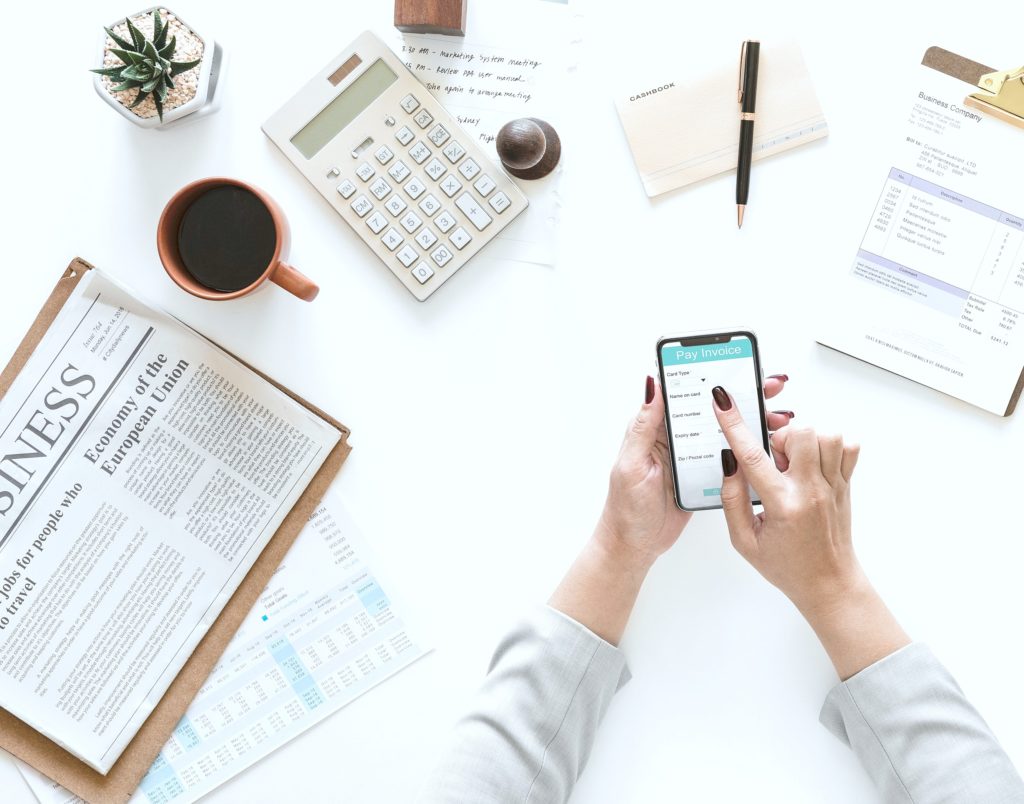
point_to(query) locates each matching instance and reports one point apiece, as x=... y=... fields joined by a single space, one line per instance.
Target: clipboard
x=118 y=785
x=974 y=73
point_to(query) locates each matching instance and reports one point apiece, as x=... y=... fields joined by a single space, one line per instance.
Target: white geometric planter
x=206 y=99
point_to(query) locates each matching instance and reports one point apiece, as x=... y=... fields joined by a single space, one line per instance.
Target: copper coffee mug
x=277 y=271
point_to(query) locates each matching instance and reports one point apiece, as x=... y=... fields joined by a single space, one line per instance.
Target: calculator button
x=333 y=173
x=407 y=255
x=445 y=221
x=395 y=205
x=392 y=239
x=365 y=171
x=389 y=121
x=362 y=206
x=454 y=152
x=430 y=205
x=377 y=222
x=404 y=135
x=424 y=118
x=346 y=188
x=450 y=186
x=499 y=202
x=473 y=210
x=410 y=104
x=380 y=188
x=435 y=168
x=399 y=171
x=484 y=185
x=415 y=188
x=419 y=152
x=384 y=154
x=438 y=134
x=411 y=222
x=426 y=238
x=423 y=272
x=460 y=238
x=441 y=256
x=469 y=169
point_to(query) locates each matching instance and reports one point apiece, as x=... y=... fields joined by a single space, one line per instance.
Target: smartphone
x=690 y=366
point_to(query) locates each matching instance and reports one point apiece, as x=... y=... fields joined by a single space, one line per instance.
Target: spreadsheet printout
x=935 y=291
x=323 y=632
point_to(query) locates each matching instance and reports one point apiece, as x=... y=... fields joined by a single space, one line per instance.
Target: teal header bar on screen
x=674 y=355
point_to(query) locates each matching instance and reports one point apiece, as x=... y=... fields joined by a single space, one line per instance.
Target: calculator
x=395 y=165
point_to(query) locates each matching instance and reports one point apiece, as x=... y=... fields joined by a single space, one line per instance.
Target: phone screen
x=690 y=368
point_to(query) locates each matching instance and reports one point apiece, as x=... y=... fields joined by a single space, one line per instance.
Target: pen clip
x=743 y=66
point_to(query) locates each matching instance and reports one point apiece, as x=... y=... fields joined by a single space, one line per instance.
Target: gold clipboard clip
x=1003 y=96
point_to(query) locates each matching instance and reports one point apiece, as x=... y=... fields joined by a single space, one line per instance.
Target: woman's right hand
x=802 y=543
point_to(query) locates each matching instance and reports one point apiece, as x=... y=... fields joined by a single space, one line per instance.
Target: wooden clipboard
x=118 y=785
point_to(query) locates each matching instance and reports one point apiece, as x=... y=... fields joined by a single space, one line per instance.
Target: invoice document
x=325 y=630
x=935 y=291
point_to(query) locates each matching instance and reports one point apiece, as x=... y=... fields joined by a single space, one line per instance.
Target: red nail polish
x=649 y=391
x=721 y=398
x=788 y=413
x=783 y=377
x=728 y=463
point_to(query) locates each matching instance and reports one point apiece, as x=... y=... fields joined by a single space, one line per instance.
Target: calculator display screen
x=344 y=109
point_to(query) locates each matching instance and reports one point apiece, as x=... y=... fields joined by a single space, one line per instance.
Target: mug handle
x=295 y=282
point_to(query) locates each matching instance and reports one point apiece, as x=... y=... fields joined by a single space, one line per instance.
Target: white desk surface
x=485 y=420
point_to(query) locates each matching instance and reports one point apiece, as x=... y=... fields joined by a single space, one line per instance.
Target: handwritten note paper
x=513 y=63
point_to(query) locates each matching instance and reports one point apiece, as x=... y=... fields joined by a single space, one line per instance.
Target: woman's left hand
x=640 y=517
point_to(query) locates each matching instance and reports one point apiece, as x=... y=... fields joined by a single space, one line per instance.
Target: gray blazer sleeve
x=529 y=733
x=917 y=736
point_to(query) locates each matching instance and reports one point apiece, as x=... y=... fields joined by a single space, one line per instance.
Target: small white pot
x=206 y=98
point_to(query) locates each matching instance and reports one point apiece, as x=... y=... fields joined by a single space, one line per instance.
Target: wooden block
x=431 y=16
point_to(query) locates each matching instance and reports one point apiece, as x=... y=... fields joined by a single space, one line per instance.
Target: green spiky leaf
x=159 y=29
x=113 y=72
x=138 y=38
x=126 y=85
x=152 y=84
x=168 y=81
x=178 y=67
x=139 y=98
x=167 y=51
x=122 y=43
x=139 y=72
x=161 y=91
x=159 y=108
x=127 y=56
x=149 y=50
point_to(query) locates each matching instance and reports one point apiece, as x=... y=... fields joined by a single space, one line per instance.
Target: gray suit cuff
x=917 y=735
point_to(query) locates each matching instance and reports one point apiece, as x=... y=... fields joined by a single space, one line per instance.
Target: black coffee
x=226 y=238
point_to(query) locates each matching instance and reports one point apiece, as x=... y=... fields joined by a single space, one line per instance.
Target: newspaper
x=326 y=629
x=142 y=471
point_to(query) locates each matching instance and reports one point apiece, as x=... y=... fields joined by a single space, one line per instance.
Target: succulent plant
x=146 y=64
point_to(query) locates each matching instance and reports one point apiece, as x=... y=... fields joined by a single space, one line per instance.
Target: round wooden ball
x=529 y=148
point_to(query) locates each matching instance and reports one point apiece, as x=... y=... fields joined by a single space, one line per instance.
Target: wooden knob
x=529 y=148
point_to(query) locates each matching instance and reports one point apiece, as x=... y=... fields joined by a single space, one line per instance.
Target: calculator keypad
x=419 y=153
x=395 y=205
x=423 y=118
x=430 y=205
x=380 y=188
x=426 y=238
x=422 y=235
x=454 y=152
x=361 y=206
x=415 y=188
x=435 y=168
x=438 y=135
x=392 y=239
x=399 y=171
